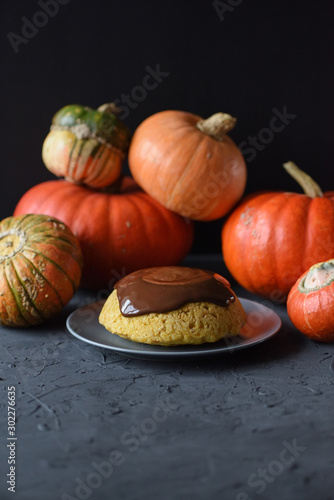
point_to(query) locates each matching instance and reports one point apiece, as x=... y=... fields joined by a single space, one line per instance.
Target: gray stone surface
x=252 y=424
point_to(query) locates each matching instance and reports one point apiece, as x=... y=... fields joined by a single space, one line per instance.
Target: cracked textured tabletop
x=90 y=423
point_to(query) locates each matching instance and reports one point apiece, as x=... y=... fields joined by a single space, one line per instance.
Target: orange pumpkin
x=188 y=164
x=40 y=268
x=118 y=232
x=271 y=238
x=310 y=303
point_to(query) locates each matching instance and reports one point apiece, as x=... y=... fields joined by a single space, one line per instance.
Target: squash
x=188 y=164
x=40 y=268
x=119 y=232
x=86 y=146
x=271 y=238
x=310 y=302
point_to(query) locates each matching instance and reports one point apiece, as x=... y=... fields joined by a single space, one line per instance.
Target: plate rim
x=197 y=350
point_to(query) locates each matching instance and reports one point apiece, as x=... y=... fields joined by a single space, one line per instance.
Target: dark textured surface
x=254 y=424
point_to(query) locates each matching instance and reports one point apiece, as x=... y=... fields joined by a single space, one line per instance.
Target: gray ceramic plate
x=262 y=323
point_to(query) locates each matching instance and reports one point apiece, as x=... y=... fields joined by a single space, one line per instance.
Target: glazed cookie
x=171 y=306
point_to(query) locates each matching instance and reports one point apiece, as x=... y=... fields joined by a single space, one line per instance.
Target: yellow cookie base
x=194 y=323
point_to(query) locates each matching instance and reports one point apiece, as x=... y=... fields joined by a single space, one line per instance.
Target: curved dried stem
x=217 y=125
x=310 y=187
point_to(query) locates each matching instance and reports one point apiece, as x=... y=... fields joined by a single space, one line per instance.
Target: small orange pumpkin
x=271 y=238
x=188 y=164
x=40 y=268
x=310 y=303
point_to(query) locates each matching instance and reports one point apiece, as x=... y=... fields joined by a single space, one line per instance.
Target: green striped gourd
x=40 y=268
x=86 y=146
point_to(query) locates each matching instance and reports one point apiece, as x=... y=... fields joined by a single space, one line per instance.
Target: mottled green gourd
x=40 y=268
x=86 y=146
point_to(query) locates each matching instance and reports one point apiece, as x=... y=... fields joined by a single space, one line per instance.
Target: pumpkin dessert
x=173 y=305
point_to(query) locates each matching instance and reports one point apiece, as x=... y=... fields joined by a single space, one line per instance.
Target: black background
x=254 y=57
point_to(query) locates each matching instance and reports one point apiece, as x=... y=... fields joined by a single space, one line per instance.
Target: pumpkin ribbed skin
x=118 y=232
x=270 y=239
x=40 y=268
x=311 y=310
x=86 y=146
x=185 y=169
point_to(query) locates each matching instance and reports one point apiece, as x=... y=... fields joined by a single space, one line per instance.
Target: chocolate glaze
x=163 y=289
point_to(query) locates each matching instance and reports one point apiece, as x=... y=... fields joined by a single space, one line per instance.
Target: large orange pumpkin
x=40 y=268
x=310 y=302
x=271 y=238
x=188 y=164
x=118 y=232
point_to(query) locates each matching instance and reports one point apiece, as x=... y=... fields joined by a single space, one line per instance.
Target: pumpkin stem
x=217 y=125
x=109 y=107
x=310 y=187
